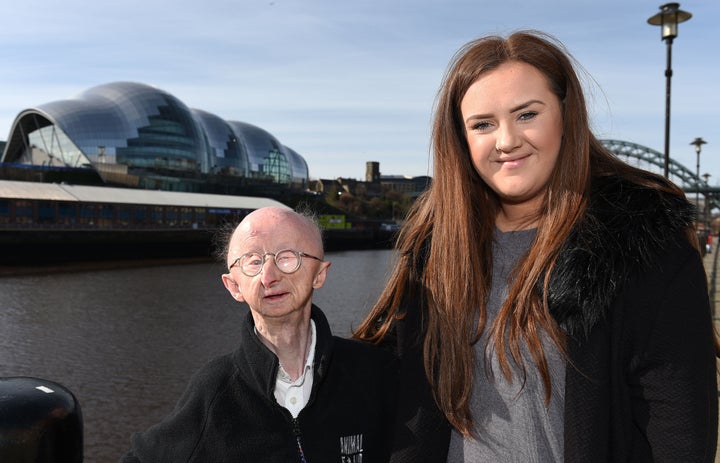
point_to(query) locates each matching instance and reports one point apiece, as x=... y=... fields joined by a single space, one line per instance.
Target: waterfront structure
x=126 y=170
x=52 y=222
x=134 y=135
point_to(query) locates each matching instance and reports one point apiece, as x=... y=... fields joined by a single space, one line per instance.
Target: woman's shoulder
x=626 y=228
x=644 y=192
x=630 y=213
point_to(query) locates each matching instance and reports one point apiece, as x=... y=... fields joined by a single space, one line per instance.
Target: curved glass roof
x=227 y=152
x=140 y=130
x=259 y=142
x=298 y=165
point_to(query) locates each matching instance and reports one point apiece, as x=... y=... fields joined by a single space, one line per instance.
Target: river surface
x=126 y=340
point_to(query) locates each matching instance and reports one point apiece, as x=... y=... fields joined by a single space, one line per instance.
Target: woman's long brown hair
x=444 y=249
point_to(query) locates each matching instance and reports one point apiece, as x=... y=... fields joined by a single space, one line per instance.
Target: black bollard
x=40 y=422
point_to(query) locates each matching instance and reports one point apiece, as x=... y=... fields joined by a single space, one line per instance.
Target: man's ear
x=232 y=287
x=321 y=275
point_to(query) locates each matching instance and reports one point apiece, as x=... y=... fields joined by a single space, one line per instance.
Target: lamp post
x=669 y=17
x=698 y=142
x=706 y=177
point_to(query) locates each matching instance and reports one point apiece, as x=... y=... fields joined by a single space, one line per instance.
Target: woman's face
x=513 y=125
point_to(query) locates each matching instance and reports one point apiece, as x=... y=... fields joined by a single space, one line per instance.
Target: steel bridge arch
x=654 y=161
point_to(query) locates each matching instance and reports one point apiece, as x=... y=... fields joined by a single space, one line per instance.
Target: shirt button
x=293 y=400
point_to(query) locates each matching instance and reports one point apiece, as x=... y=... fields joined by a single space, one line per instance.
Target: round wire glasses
x=287 y=261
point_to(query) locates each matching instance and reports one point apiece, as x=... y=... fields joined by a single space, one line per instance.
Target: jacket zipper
x=298 y=438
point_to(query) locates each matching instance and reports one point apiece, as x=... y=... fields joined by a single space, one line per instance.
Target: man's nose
x=269 y=271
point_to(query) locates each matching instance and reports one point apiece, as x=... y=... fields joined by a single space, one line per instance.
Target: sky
x=346 y=82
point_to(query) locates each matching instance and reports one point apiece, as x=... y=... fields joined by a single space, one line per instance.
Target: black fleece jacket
x=228 y=412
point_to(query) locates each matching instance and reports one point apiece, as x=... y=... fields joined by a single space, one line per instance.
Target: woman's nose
x=507 y=139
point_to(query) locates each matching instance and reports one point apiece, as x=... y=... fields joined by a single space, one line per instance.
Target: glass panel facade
x=149 y=136
x=277 y=167
x=46 y=212
x=88 y=212
x=52 y=147
x=24 y=212
x=227 y=152
x=67 y=213
x=299 y=168
x=140 y=216
x=264 y=148
x=4 y=210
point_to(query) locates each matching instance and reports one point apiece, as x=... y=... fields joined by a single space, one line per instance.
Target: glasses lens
x=251 y=263
x=287 y=261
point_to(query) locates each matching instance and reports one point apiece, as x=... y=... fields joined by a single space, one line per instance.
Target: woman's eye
x=481 y=126
x=526 y=116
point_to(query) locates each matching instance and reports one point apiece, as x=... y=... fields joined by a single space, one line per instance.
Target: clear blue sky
x=345 y=82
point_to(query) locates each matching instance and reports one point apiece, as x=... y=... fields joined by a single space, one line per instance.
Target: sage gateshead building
x=131 y=134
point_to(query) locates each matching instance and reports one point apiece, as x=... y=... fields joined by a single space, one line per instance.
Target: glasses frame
x=298 y=254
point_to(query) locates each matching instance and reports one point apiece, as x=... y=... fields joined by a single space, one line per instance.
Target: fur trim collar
x=624 y=228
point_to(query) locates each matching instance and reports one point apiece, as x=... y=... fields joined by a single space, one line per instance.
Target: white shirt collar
x=294 y=395
x=309 y=361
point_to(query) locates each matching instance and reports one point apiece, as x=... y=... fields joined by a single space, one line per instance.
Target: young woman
x=549 y=301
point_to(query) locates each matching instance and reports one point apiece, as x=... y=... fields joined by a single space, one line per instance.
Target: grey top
x=512 y=423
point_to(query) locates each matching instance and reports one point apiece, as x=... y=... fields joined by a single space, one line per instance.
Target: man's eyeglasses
x=287 y=261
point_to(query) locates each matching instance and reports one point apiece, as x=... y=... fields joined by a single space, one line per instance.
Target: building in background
x=135 y=135
x=375 y=184
x=127 y=170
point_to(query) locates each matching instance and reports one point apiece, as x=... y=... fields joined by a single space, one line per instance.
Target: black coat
x=631 y=293
x=229 y=413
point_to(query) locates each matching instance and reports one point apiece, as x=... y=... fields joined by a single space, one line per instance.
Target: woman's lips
x=513 y=162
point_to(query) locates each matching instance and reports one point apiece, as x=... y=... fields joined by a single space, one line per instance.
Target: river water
x=126 y=340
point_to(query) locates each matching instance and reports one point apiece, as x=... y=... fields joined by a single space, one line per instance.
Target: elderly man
x=291 y=391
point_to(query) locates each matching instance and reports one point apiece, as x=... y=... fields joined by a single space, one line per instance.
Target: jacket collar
x=259 y=365
x=625 y=226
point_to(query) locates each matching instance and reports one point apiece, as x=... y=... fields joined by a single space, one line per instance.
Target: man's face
x=273 y=294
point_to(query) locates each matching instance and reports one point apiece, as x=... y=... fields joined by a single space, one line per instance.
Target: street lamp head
x=669 y=17
x=698 y=142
